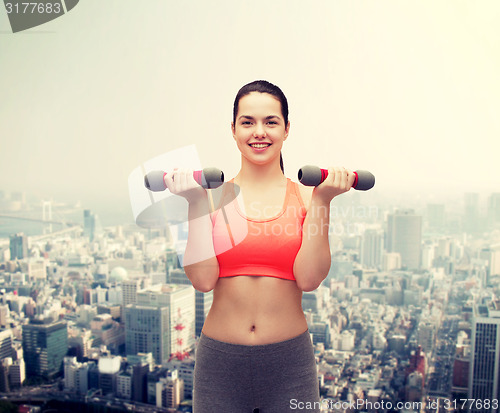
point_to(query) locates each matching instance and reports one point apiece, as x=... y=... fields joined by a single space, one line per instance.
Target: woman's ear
x=287 y=130
x=232 y=130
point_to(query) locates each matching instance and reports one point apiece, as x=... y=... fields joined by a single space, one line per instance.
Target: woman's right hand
x=181 y=182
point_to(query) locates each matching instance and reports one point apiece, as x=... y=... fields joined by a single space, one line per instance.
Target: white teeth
x=259 y=145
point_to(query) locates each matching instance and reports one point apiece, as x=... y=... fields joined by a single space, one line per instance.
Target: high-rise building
x=417 y=363
x=112 y=309
x=492 y=257
x=153 y=378
x=108 y=332
x=414 y=387
x=45 y=343
x=321 y=333
x=129 y=291
x=91 y=225
x=180 y=300
x=372 y=248
x=311 y=301
x=484 y=370
x=428 y=255
x=6 y=344
x=140 y=381
x=109 y=368
x=4 y=315
x=436 y=217
x=169 y=390
x=404 y=235
x=339 y=268
x=4 y=374
x=177 y=276
x=186 y=372
x=461 y=367
x=18 y=246
x=203 y=303
x=76 y=375
x=17 y=373
x=141 y=364
x=93 y=375
x=147 y=330
x=158 y=278
x=391 y=261
x=172 y=261
x=472 y=222
x=494 y=208
x=124 y=384
x=36 y=270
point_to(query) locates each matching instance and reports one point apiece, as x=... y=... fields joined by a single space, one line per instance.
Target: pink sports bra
x=246 y=246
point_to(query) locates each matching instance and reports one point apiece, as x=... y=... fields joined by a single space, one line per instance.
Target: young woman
x=258 y=251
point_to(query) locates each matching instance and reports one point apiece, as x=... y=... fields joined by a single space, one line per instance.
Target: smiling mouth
x=259 y=145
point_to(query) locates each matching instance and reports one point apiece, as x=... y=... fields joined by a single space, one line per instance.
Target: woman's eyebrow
x=251 y=117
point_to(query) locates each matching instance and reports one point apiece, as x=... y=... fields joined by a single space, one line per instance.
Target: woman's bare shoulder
x=306 y=194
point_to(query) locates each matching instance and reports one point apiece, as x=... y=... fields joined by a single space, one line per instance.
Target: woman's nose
x=259 y=131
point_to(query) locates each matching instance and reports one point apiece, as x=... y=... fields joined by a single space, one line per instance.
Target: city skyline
x=386 y=323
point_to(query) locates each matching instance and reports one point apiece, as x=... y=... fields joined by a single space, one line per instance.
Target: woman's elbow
x=308 y=284
x=204 y=286
x=203 y=282
x=307 y=278
x=203 y=275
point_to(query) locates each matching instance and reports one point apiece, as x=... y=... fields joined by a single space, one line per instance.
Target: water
x=10 y=226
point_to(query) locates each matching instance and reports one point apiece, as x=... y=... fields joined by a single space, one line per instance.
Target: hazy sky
x=407 y=89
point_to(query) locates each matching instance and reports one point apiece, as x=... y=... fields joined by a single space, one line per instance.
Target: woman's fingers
x=181 y=182
x=351 y=177
x=340 y=178
x=338 y=181
x=169 y=183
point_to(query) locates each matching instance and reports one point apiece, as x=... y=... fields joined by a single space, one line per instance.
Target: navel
x=252 y=328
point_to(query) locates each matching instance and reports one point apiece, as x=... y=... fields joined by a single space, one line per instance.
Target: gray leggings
x=270 y=378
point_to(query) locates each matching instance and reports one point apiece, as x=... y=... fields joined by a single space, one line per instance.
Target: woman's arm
x=313 y=260
x=200 y=263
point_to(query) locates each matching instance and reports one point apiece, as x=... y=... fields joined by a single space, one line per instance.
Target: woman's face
x=259 y=129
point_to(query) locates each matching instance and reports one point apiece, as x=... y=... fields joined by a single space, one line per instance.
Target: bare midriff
x=255 y=310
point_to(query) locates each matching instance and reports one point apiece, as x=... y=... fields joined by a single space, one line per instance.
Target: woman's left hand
x=338 y=181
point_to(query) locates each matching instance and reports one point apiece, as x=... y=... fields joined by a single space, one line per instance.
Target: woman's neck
x=259 y=175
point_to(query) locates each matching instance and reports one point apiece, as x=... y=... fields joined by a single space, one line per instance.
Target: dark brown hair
x=263 y=86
